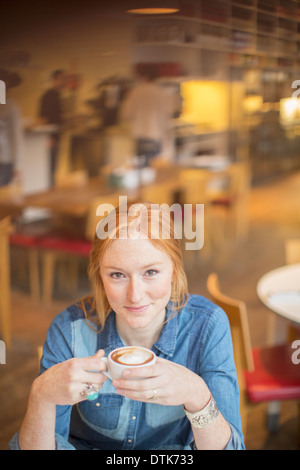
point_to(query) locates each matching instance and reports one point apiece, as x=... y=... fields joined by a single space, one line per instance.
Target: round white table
x=279 y=290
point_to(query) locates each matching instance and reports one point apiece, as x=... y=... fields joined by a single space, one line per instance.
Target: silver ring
x=90 y=392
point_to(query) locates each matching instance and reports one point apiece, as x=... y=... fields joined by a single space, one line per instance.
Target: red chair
x=70 y=249
x=265 y=374
x=19 y=239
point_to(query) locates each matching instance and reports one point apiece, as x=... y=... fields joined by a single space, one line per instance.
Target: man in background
x=148 y=108
x=51 y=112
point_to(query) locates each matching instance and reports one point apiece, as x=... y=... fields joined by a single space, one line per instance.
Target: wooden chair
x=292 y=250
x=72 y=179
x=264 y=374
x=292 y=255
x=159 y=193
x=5 y=295
x=70 y=248
x=24 y=239
x=194 y=189
x=233 y=198
x=10 y=191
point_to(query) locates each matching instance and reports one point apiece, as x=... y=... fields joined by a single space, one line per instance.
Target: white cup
x=126 y=357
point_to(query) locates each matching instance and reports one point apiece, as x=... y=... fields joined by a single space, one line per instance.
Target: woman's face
x=137 y=280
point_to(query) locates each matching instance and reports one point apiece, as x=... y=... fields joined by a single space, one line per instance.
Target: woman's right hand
x=63 y=383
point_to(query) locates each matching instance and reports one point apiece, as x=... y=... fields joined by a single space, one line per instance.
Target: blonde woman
x=189 y=398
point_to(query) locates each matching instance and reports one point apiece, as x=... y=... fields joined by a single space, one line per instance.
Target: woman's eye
x=116 y=275
x=151 y=272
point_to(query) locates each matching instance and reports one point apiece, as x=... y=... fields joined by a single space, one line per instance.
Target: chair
x=194 y=189
x=29 y=241
x=70 y=248
x=72 y=179
x=10 y=191
x=264 y=374
x=23 y=239
x=159 y=193
x=5 y=297
x=292 y=250
x=233 y=198
x=292 y=255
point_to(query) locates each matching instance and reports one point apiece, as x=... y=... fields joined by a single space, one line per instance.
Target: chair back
x=73 y=179
x=242 y=350
x=240 y=176
x=194 y=184
x=159 y=193
x=5 y=298
x=10 y=191
x=237 y=315
x=292 y=255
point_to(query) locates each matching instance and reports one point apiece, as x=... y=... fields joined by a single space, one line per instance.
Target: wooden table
x=76 y=201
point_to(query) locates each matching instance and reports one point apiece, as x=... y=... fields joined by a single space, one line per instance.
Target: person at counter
x=188 y=399
x=11 y=135
x=148 y=109
x=51 y=112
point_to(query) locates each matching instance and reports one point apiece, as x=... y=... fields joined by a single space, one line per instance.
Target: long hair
x=151 y=222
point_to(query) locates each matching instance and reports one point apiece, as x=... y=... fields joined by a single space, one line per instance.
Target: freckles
x=162 y=289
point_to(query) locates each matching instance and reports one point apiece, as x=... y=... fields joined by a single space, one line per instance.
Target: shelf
x=260 y=28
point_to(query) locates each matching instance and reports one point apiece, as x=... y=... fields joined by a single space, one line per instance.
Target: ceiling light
x=153 y=11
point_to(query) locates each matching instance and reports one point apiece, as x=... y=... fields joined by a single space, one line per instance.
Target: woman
x=140 y=298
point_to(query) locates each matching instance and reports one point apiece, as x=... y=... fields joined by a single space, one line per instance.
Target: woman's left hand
x=165 y=383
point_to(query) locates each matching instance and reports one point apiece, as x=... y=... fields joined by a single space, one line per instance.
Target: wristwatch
x=204 y=417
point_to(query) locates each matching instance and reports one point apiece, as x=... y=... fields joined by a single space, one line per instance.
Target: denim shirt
x=198 y=337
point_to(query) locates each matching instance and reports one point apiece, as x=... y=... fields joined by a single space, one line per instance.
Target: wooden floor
x=274 y=215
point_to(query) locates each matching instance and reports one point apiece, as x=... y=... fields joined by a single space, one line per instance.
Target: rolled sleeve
x=60 y=443
x=234 y=442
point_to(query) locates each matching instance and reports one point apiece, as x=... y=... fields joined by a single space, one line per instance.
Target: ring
x=90 y=392
x=155 y=397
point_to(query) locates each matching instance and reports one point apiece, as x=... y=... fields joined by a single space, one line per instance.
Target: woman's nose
x=134 y=292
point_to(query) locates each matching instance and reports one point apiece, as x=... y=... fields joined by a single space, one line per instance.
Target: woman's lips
x=136 y=309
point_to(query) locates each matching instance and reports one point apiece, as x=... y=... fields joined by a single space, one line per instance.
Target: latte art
x=132 y=356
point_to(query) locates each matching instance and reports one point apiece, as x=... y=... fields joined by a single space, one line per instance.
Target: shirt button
x=129 y=440
x=133 y=417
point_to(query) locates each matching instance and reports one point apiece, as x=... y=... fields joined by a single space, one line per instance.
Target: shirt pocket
x=103 y=416
x=158 y=415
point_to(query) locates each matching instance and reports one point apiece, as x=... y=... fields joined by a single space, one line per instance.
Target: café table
x=279 y=290
x=76 y=201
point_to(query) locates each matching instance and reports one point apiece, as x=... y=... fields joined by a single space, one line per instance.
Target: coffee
x=132 y=356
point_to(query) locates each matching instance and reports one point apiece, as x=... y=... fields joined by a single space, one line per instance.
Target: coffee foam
x=132 y=356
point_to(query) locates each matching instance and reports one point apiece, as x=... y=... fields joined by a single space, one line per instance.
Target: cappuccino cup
x=126 y=357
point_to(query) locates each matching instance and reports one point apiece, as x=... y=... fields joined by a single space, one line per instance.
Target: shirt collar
x=109 y=338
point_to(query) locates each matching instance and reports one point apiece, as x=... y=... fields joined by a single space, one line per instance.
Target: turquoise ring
x=91 y=392
x=92 y=396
